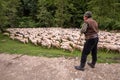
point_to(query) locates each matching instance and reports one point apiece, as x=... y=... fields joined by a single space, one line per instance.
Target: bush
x=116 y=26
x=26 y=22
x=109 y=24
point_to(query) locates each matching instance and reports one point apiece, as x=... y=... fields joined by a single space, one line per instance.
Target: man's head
x=88 y=14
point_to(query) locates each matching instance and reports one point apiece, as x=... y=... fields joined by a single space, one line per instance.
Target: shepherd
x=90 y=30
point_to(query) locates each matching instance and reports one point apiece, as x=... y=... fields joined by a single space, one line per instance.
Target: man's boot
x=91 y=65
x=81 y=67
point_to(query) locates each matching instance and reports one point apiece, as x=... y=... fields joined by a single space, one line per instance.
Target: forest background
x=58 y=13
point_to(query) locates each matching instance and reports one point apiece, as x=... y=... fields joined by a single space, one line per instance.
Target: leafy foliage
x=58 y=13
x=106 y=12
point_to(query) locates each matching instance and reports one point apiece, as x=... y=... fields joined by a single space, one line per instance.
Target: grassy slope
x=15 y=47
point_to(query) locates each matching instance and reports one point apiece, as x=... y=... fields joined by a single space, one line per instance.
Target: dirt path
x=40 y=68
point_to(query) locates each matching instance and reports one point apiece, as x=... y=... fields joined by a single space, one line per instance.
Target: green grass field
x=15 y=47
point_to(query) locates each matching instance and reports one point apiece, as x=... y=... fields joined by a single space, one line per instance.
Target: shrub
x=26 y=22
x=109 y=24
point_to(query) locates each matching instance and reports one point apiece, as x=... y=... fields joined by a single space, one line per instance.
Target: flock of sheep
x=67 y=39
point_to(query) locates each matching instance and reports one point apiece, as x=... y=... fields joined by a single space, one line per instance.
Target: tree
x=77 y=11
x=28 y=8
x=43 y=15
x=8 y=13
x=58 y=13
x=2 y=17
x=106 y=12
x=61 y=14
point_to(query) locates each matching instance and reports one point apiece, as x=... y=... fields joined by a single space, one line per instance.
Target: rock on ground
x=22 y=67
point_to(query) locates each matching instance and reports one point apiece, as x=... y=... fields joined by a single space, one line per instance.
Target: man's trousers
x=90 y=46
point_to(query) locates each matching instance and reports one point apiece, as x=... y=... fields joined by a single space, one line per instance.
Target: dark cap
x=88 y=14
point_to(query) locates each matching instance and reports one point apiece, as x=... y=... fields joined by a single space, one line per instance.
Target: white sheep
x=58 y=36
x=46 y=42
x=55 y=44
x=66 y=46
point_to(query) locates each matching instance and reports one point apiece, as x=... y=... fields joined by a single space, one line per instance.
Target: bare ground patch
x=22 y=67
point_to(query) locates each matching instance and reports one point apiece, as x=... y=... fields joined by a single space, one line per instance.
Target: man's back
x=92 y=28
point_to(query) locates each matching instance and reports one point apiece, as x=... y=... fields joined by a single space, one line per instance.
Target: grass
x=15 y=47
x=108 y=57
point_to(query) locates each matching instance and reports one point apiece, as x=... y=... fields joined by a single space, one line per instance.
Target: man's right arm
x=84 y=28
